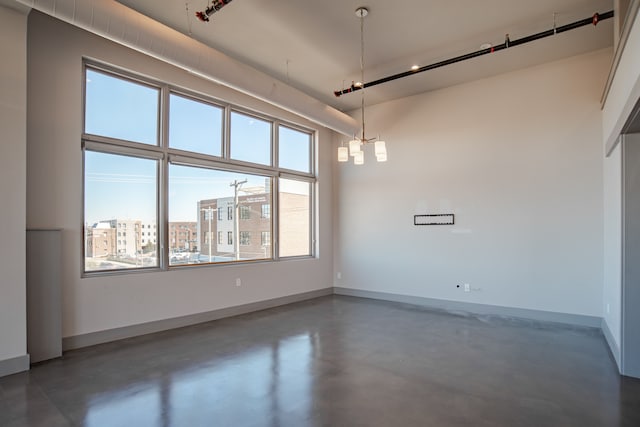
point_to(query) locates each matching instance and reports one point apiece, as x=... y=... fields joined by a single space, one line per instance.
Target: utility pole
x=236 y=220
x=209 y=210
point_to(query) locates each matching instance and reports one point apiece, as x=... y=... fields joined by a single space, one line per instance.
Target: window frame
x=131 y=78
x=310 y=153
x=274 y=123
x=192 y=97
x=275 y=241
x=165 y=156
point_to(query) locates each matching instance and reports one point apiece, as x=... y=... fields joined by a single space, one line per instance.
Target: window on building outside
x=245 y=238
x=265 y=238
x=245 y=212
x=126 y=159
x=265 y=211
x=208 y=213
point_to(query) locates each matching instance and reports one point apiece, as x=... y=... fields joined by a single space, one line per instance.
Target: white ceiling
x=315 y=45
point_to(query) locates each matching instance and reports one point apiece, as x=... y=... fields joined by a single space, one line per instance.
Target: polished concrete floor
x=333 y=361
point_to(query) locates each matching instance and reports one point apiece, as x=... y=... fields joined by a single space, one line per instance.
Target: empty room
x=336 y=213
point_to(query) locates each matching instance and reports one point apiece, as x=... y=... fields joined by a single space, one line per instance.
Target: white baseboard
x=14 y=365
x=613 y=347
x=21 y=363
x=100 y=337
x=473 y=308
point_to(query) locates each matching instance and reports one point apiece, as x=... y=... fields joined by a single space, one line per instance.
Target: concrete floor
x=333 y=361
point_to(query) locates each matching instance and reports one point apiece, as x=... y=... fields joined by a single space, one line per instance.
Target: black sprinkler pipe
x=507 y=44
x=215 y=6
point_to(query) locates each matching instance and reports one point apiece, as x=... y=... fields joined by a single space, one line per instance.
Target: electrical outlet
x=339 y=275
x=467 y=288
x=238 y=282
x=608 y=309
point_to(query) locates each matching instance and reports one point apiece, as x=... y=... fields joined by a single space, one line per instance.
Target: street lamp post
x=236 y=221
x=209 y=211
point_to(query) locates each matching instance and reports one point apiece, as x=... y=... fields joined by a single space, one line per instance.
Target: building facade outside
x=121 y=243
x=246 y=237
x=223 y=232
x=223 y=237
x=101 y=240
x=183 y=236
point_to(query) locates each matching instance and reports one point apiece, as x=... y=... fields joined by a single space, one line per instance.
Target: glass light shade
x=358 y=158
x=382 y=157
x=343 y=154
x=354 y=147
x=381 y=148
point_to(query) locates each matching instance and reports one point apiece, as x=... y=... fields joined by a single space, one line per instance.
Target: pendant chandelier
x=356 y=146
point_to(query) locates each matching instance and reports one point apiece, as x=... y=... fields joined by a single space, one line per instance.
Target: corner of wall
x=611 y=342
x=13 y=179
x=14 y=365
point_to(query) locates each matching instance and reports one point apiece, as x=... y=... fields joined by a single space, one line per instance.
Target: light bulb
x=343 y=154
x=354 y=147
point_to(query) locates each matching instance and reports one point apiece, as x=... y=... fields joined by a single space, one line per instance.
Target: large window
x=217 y=188
x=195 y=126
x=209 y=190
x=295 y=217
x=120 y=197
x=121 y=108
x=295 y=149
x=250 y=139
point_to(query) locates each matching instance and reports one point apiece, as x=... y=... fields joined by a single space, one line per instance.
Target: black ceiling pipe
x=215 y=6
x=507 y=44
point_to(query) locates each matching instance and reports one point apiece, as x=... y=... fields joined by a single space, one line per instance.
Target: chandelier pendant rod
x=362 y=12
x=356 y=146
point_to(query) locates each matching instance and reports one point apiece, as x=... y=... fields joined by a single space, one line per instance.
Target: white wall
x=518 y=159
x=54 y=196
x=13 y=116
x=612 y=295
